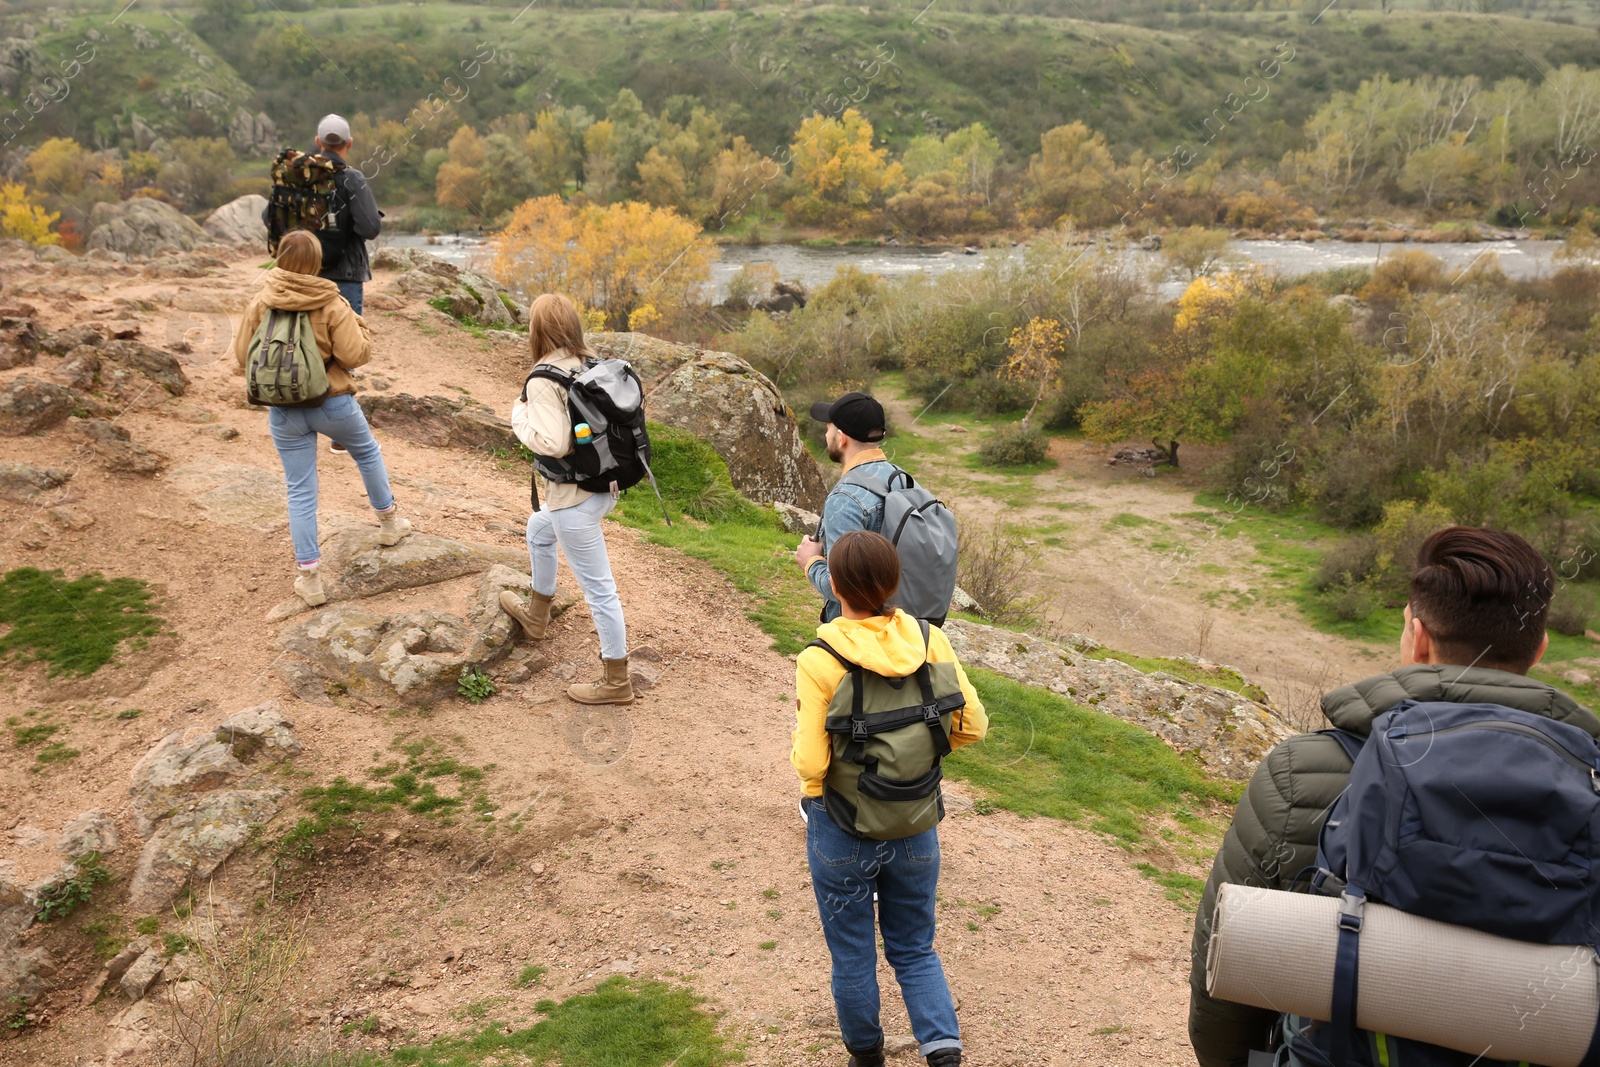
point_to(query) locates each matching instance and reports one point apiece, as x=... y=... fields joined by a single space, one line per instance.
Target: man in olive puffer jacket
x=1473 y=628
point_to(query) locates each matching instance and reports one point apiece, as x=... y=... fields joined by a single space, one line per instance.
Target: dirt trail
x=1136 y=563
x=652 y=841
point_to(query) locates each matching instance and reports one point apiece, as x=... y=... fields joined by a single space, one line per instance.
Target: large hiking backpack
x=285 y=368
x=608 y=396
x=924 y=533
x=890 y=737
x=304 y=185
x=1472 y=814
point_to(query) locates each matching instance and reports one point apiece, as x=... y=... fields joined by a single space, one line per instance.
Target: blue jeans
x=845 y=872
x=351 y=291
x=577 y=531
x=294 y=431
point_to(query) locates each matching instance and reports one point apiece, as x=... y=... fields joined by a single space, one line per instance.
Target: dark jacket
x=356 y=220
x=1274 y=832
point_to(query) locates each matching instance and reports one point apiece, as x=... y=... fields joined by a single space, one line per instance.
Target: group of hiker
x=1491 y=821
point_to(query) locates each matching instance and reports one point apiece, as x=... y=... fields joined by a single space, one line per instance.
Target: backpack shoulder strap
x=1352 y=743
x=930 y=706
x=858 y=713
x=545 y=372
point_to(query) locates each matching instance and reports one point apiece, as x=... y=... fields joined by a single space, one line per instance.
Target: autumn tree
x=1194 y=251
x=459 y=181
x=618 y=257
x=23 y=218
x=1072 y=176
x=1033 y=354
x=843 y=176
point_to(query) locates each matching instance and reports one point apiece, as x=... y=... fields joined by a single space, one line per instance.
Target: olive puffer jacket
x=1274 y=833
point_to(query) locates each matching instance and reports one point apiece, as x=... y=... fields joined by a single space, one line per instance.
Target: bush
x=992 y=568
x=1350 y=601
x=1567 y=618
x=1015 y=446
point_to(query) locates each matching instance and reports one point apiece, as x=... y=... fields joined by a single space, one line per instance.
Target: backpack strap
x=1351 y=742
x=930 y=705
x=858 y=715
x=878 y=487
x=547 y=373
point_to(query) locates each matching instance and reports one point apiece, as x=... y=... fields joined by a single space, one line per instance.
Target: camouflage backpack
x=303 y=187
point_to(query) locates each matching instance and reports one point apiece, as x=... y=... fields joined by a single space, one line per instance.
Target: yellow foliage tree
x=618 y=257
x=1207 y=298
x=459 y=181
x=834 y=160
x=58 y=165
x=1033 y=354
x=22 y=218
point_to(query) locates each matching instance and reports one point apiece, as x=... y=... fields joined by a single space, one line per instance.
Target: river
x=815 y=266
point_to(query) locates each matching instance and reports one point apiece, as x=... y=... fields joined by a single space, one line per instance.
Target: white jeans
x=577 y=531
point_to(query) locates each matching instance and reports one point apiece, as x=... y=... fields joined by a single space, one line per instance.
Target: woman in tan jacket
x=345 y=344
x=569 y=516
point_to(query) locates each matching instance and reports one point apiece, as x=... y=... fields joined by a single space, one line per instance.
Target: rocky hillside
x=251 y=762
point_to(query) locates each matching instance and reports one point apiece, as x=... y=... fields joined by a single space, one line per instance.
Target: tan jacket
x=544 y=425
x=342 y=335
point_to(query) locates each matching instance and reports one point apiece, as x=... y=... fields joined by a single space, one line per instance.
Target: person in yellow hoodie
x=849 y=871
x=345 y=344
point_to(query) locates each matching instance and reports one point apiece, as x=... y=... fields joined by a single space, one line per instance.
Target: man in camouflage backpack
x=320 y=192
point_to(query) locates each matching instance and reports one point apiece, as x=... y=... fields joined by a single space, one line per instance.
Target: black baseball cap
x=857 y=414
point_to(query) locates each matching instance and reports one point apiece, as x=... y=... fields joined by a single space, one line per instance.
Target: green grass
x=74 y=627
x=1047 y=756
x=623 y=1023
x=713 y=523
x=1129 y=521
x=530 y=974
x=1221 y=677
x=1178 y=887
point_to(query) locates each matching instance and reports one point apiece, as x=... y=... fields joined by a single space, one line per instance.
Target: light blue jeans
x=577 y=531
x=294 y=431
x=845 y=874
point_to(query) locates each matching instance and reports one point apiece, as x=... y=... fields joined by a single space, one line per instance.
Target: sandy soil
x=652 y=836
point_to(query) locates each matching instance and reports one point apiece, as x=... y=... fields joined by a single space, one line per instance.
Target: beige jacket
x=543 y=424
x=342 y=335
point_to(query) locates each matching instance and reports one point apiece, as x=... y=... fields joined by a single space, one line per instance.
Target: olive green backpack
x=285 y=368
x=890 y=737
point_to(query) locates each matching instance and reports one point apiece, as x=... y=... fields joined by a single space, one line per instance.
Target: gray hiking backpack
x=285 y=368
x=923 y=531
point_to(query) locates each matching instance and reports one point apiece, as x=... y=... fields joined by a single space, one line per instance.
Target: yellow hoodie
x=888 y=645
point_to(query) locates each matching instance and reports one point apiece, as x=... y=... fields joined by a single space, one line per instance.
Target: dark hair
x=1483 y=595
x=866 y=571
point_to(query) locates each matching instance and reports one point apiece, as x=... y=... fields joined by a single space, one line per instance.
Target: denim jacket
x=848 y=507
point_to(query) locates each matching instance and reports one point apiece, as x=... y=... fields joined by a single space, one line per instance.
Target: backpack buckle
x=930 y=715
x=1351 y=911
x=858 y=730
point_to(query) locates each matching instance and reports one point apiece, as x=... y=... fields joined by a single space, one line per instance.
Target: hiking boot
x=392 y=529
x=337 y=449
x=533 y=617
x=614 y=686
x=308 y=587
x=945 y=1057
x=866 y=1057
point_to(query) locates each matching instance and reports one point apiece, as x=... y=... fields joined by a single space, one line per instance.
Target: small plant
x=984 y=806
x=58 y=901
x=367 y=1025
x=770 y=894
x=530 y=974
x=176 y=944
x=767 y=946
x=17 y=1013
x=147 y=925
x=774 y=914
x=130 y=713
x=54 y=752
x=475 y=685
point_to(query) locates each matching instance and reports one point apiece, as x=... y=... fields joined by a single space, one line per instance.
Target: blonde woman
x=345 y=344
x=568 y=516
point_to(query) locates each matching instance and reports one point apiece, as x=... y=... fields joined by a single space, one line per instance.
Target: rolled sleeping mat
x=1429 y=981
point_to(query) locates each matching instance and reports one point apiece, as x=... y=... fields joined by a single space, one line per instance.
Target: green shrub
x=1353 y=560
x=1567 y=618
x=62 y=900
x=1015 y=446
x=475 y=685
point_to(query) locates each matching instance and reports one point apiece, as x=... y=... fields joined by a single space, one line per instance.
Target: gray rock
x=114 y=448
x=92 y=831
x=21 y=483
x=961 y=600
x=729 y=404
x=142 y=227
x=469 y=294
x=248 y=133
x=71 y=518
x=895 y=1044
x=238 y=222
x=141 y=974
x=29 y=404
x=354 y=565
x=24 y=972
x=409 y=657
x=160 y=367
x=439 y=421
x=79 y=371
x=19 y=342
x=191 y=843
x=60 y=343
x=1228 y=732
x=176 y=769
x=234 y=494
x=391 y=258
x=20 y=61
x=222 y=432
x=797 y=520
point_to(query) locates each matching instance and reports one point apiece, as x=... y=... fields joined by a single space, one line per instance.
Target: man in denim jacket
x=856 y=427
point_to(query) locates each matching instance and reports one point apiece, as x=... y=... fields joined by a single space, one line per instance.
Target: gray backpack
x=924 y=533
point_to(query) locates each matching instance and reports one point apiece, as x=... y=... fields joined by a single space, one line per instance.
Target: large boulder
x=234 y=494
x=438 y=420
x=1228 y=732
x=468 y=293
x=114 y=448
x=142 y=227
x=20 y=60
x=24 y=972
x=238 y=222
x=178 y=768
x=193 y=841
x=411 y=657
x=21 y=483
x=249 y=134
x=719 y=397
